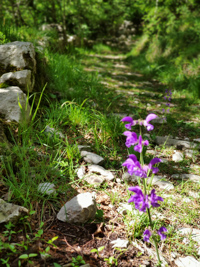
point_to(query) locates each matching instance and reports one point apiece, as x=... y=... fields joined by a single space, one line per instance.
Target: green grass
x=77 y=104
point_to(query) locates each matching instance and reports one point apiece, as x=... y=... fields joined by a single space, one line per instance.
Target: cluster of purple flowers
x=168 y=98
x=142 y=201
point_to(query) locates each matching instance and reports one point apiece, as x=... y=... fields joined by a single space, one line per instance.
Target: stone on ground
x=90 y=157
x=157 y=180
x=120 y=243
x=46 y=188
x=10 y=212
x=79 y=209
x=21 y=78
x=188 y=261
x=17 y=56
x=10 y=98
x=192 y=177
x=177 y=156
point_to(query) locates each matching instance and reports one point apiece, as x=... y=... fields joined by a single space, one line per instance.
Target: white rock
x=81 y=147
x=194 y=233
x=20 y=55
x=196 y=140
x=79 y=209
x=53 y=131
x=193 y=194
x=46 y=188
x=157 y=180
x=91 y=157
x=81 y=172
x=120 y=243
x=174 y=142
x=177 y=157
x=21 y=78
x=129 y=178
x=124 y=207
x=186 y=199
x=100 y=170
x=9 y=106
x=188 y=261
x=192 y=177
x=94 y=179
x=10 y=212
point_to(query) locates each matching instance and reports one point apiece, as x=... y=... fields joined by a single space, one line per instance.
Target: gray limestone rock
x=52 y=131
x=180 y=144
x=10 y=98
x=18 y=56
x=101 y=171
x=194 y=233
x=91 y=157
x=21 y=78
x=79 y=209
x=10 y=212
x=177 y=156
x=46 y=188
x=188 y=261
x=192 y=177
x=82 y=147
x=95 y=174
x=94 y=179
x=157 y=180
x=129 y=178
x=120 y=243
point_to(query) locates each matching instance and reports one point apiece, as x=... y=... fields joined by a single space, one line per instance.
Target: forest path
x=137 y=94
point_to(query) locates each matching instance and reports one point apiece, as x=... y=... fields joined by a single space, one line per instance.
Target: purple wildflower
x=138 y=147
x=140 y=200
x=147 y=120
x=154 y=199
x=131 y=122
x=161 y=232
x=140 y=122
x=131 y=138
x=153 y=162
x=147 y=235
x=134 y=166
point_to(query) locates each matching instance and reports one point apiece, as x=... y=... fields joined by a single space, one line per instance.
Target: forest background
x=167 y=32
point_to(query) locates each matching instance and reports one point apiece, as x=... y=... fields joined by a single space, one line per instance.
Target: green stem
x=151 y=225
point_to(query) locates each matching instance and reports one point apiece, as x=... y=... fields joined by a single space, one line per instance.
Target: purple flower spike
x=131 y=138
x=154 y=199
x=148 y=119
x=140 y=200
x=138 y=147
x=147 y=235
x=131 y=122
x=161 y=231
x=153 y=162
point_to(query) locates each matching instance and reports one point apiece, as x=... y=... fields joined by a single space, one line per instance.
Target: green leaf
x=101 y=248
x=24 y=256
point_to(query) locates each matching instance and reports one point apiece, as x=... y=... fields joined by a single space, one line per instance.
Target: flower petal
x=130 y=120
x=150 y=117
x=153 y=162
x=146 y=235
x=160 y=232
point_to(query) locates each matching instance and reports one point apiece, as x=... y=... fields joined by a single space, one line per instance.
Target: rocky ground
x=117 y=227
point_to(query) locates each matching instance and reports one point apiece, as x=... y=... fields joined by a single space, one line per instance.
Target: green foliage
x=171 y=39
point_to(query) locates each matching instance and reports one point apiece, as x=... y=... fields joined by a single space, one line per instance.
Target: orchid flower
x=147 y=235
x=161 y=232
x=145 y=122
x=134 y=166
